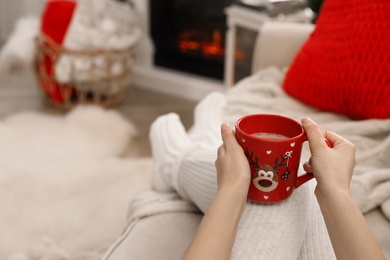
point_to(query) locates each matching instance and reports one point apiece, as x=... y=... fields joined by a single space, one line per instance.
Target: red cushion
x=344 y=66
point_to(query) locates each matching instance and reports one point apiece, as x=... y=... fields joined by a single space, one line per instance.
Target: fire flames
x=190 y=42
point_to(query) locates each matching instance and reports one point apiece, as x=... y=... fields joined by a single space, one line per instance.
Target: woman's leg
x=317 y=243
x=198 y=179
x=175 y=151
x=273 y=231
x=170 y=144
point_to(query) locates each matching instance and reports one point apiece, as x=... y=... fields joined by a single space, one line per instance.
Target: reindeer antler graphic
x=283 y=162
x=253 y=162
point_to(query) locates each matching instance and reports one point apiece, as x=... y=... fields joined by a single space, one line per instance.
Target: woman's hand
x=215 y=236
x=332 y=167
x=233 y=171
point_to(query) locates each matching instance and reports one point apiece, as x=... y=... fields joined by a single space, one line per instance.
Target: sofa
x=165 y=234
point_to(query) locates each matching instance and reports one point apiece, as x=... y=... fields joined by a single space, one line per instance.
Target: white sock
x=170 y=144
x=207 y=121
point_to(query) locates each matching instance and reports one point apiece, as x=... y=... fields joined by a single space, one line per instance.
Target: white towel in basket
x=98 y=25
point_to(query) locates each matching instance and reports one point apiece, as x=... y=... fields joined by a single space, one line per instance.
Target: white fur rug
x=64 y=187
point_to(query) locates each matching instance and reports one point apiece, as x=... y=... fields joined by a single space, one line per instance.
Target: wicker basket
x=103 y=81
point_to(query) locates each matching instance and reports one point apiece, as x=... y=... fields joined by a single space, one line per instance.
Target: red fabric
x=56 y=18
x=344 y=66
x=55 y=21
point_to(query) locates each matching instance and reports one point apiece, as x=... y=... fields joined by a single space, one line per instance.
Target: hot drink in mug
x=272 y=145
x=271 y=136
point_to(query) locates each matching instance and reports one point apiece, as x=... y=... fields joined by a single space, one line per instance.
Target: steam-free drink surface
x=270 y=136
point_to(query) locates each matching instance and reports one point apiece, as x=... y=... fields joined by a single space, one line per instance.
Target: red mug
x=272 y=145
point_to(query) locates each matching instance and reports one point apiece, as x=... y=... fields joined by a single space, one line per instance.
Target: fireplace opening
x=189 y=35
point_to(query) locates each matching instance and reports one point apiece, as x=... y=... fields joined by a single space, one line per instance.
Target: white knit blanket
x=262 y=93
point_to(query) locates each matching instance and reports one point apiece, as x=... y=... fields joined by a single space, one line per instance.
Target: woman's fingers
x=228 y=138
x=314 y=134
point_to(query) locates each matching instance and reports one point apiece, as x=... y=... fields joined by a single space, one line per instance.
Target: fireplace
x=189 y=35
x=154 y=73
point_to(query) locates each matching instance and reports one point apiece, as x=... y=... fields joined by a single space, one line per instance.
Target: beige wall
x=11 y=10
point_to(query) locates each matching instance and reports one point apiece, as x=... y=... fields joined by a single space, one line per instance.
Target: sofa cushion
x=161 y=236
x=344 y=65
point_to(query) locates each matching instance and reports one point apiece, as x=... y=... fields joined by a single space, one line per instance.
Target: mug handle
x=308 y=175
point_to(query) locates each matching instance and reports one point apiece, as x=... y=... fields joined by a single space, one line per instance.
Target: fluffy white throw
x=64 y=186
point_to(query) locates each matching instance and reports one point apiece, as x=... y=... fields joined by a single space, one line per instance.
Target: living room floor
x=20 y=92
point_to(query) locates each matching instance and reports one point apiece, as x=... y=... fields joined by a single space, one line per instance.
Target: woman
x=236 y=229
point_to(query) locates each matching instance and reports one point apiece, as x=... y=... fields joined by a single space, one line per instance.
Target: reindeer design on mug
x=266 y=177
